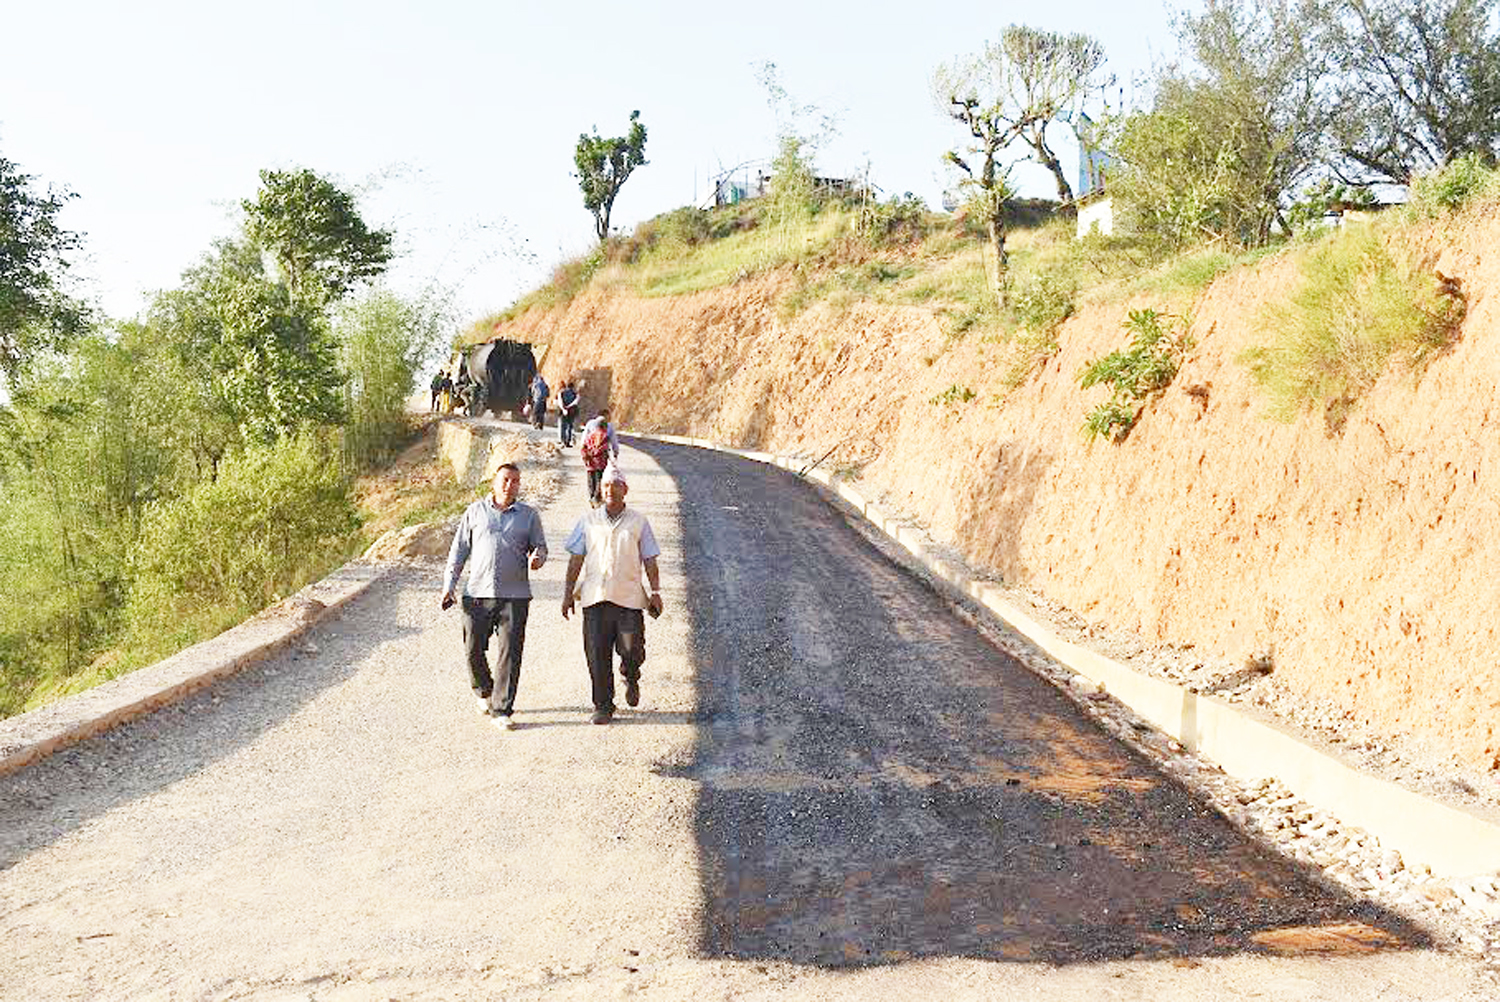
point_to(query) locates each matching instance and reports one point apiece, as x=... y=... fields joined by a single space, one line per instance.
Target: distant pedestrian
x=495 y=538
x=602 y=419
x=437 y=389
x=596 y=457
x=567 y=412
x=539 y=390
x=611 y=559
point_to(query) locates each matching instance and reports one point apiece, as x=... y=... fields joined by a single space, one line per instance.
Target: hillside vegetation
x=1296 y=458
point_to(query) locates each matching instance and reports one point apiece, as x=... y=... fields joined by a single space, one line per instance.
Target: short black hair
x=507 y=466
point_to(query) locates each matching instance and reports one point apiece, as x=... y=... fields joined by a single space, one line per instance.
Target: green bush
x=272 y=518
x=902 y=219
x=382 y=340
x=1042 y=303
x=1135 y=374
x=1356 y=311
x=1453 y=186
x=953 y=396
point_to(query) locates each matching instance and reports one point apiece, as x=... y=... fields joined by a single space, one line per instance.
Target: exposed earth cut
x=1356 y=564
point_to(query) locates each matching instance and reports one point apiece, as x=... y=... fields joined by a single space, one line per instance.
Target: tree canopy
x=35 y=313
x=1013 y=91
x=604 y=165
x=1418 y=84
x=315 y=234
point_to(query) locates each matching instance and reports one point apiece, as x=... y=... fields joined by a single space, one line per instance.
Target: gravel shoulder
x=339 y=823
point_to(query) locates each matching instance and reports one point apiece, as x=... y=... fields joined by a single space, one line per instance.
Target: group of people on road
x=612 y=575
x=449 y=394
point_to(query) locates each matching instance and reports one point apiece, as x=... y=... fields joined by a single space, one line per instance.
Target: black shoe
x=602 y=717
x=632 y=692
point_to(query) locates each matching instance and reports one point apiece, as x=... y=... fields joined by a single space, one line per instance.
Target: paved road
x=833 y=789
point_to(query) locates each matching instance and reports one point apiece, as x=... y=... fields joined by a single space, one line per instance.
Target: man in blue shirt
x=496 y=537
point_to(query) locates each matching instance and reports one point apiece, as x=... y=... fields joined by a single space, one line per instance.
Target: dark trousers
x=538 y=412
x=565 y=430
x=608 y=628
x=506 y=619
x=596 y=478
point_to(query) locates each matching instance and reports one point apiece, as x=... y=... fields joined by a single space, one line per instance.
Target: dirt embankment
x=1365 y=561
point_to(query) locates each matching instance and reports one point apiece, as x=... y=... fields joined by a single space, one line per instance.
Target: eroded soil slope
x=1365 y=560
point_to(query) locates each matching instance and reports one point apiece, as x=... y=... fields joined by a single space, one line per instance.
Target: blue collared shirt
x=495 y=545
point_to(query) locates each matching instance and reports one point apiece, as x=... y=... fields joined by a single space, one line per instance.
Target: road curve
x=833 y=789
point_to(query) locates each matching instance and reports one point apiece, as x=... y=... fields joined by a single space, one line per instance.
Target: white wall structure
x=1098 y=214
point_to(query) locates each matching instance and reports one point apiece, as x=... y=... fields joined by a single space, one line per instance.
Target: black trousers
x=505 y=618
x=565 y=430
x=596 y=485
x=608 y=628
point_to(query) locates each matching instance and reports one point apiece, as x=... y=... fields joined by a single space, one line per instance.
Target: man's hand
x=653 y=604
x=537 y=562
x=567 y=604
x=448 y=600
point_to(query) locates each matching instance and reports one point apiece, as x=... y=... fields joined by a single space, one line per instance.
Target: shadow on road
x=152 y=752
x=879 y=783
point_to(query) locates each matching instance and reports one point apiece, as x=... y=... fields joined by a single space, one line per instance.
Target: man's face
x=507 y=487
x=614 y=493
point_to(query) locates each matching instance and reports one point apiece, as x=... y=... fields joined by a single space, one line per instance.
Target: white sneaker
x=484 y=704
x=507 y=722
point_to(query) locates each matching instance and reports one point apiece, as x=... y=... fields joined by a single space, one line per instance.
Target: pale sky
x=455 y=120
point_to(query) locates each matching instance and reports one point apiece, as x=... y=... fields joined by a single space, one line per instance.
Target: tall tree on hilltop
x=1012 y=92
x=1418 y=84
x=35 y=314
x=1232 y=131
x=316 y=235
x=604 y=165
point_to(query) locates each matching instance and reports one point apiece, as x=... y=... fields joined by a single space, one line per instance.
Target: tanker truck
x=501 y=372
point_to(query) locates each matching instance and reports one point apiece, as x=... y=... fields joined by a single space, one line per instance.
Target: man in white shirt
x=615 y=551
x=495 y=537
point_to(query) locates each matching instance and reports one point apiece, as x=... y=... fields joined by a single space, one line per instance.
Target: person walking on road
x=539 y=391
x=615 y=551
x=495 y=539
x=567 y=412
x=437 y=389
x=596 y=458
x=601 y=420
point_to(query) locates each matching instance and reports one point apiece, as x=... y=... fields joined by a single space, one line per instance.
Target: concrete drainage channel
x=1434 y=863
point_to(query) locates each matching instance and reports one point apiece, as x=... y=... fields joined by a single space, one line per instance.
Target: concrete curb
x=1451 y=841
x=28 y=737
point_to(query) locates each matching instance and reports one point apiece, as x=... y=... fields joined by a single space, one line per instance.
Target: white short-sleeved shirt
x=615 y=551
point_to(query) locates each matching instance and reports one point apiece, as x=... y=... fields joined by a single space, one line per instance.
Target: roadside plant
x=1137 y=374
x=1357 y=311
x=953 y=396
x=1453 y=186
x=258 y=531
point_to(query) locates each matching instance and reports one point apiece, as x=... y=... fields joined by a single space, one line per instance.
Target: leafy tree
x=1013 y=91
x=35 y=314
x=1418 y=84
x=256 y=358
x=604 y=165
x=315 y=234
x=1056 y=75
x=383 y=341
x=1230 y=135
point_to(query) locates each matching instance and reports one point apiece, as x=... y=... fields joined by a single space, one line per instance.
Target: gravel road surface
x=833 y=788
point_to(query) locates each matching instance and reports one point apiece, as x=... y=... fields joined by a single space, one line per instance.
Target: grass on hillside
x=842 y=252
x=1360 y=307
